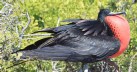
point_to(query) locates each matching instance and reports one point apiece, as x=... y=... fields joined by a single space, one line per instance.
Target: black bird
x=83 y=40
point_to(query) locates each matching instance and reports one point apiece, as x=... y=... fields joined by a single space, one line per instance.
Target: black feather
x=81 y=40
x=72 y=20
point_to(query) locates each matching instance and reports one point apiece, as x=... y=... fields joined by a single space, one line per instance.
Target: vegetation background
x=19 y=18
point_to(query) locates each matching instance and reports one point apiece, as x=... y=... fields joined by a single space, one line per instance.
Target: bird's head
x=106 y=12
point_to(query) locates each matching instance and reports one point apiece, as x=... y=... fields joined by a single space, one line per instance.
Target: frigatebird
x=83 y=40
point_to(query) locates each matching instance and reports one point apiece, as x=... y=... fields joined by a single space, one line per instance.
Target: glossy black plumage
x=79 y=41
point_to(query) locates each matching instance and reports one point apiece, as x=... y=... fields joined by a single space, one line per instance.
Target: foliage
x=47 y=13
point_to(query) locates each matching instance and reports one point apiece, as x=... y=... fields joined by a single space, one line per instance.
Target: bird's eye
x=106 y=11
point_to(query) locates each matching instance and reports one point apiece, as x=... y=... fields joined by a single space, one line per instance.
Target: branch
x=58 y=22
x=131 y=62
x=36 y=35
x=24 y=28
x=29 y=20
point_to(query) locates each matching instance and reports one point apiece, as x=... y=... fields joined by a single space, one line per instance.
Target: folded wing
x=83 y=41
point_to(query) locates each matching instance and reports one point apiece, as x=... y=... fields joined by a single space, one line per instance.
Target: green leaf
x=41 y=24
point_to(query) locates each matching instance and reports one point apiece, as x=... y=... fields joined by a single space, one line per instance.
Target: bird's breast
x=121 y=30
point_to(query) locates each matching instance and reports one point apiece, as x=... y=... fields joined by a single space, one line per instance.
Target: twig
x=24 y=28
x=37 y=35
x=29 y=20
x=16 y=64
x=131 y=62
x=58 y=22
x=54 y=64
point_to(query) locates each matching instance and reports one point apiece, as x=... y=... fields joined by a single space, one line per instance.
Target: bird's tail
x=55 y=53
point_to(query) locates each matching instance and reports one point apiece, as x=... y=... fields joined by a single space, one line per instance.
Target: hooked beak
x=119 y=13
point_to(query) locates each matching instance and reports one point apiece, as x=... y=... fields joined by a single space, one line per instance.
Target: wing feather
x=84 y=41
